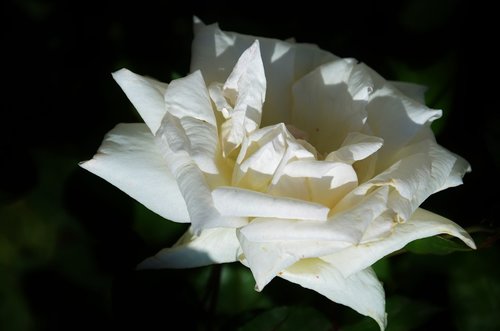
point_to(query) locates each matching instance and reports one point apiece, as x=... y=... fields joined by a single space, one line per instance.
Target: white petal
x=397 y=119
x=422 y=224
x=190 y=179
x=260 y=156
x=355 y=221
x=215 y=52
x=248 y=81
x=264 y=155
x=266 y=255
x=361 y=291
x=129 y=159
x=192 y=120
x=422 y=169
x=188 y=96
x=192 y=136
x=460 y=168
x=335 y=93
x=211 y=246
x=356 y=146
x=271 y=245
x=414 y=91
x=346 y=226
x=146 y=94
x=233 y=201
x=324 y=182
x=245 y=88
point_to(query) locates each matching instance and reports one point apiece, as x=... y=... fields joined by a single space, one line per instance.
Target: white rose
x=282 y=156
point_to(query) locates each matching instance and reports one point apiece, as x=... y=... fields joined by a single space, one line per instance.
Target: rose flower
x=284 y=157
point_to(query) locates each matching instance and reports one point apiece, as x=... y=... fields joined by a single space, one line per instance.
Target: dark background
x=69 y=241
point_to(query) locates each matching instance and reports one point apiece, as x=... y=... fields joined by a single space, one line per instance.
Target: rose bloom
x=284 y=157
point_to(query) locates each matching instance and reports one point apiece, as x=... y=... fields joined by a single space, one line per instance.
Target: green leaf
x=436 y=245
x=289 y=319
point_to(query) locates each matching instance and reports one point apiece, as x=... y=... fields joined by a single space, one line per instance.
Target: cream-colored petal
x=175 y=147
x=361 y=291
x=195 y=137
x=188 y=97
x=146 y=94
x=324 y=182
x=264 y=155
x=398 y=120
x=356 y=146
x=460 y=168
x=233 y=201
x=411 y=90
x=422 y=224
x=271 y=245
x=419 y=170
x=215 y=52
x=266 y=255
x=346 y=226
x=245 y=90
x=129 y=159
x=209 y=247
x=329 y=102
x=193 y=123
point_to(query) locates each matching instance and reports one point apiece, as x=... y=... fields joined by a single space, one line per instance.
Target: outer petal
x=215 y=52
x=361 y=291
x=397 y=119
x=192 y=182
x=146 y=94
x=267 y=258
x=422 y=224
x=338 y=92
x=271 y=245
x=211 y=246
x=411 y=90
x=458 y=171
x=129 y=159
x=420 y=170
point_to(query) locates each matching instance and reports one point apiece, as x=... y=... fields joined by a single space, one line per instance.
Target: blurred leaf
x=154 y=229
x=237 y=291
x=38 y=237
x=436 y=245
x=14 y=311
x=288 y=319
x=403 y=315
x=475 y=291
x=477 y=303
x=26 y=239
x=383 y=269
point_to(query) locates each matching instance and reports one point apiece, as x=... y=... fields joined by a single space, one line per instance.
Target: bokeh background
x=69 y=241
